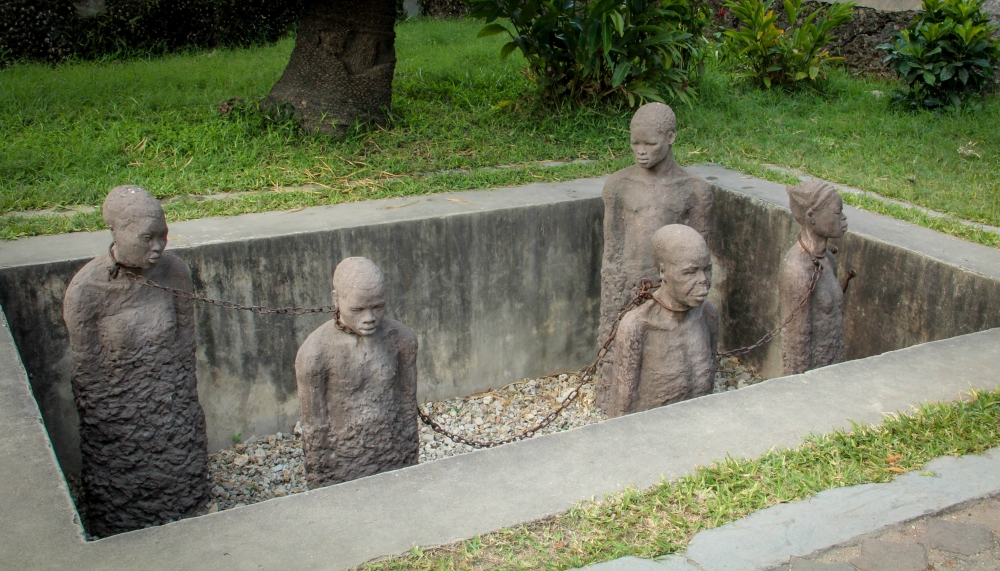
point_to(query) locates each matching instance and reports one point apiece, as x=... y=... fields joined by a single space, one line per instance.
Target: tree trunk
x=341 y=68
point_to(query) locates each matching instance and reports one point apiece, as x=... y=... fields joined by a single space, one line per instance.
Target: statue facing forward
x=142 y=429
x=357 y=384
x=815 y=336
x=665 y=348
x=638 y=200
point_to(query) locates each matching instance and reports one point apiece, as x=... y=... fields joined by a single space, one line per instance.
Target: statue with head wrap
x=142 y=429
x=357 y=384
x=814 y=337
x=665 y=348
x=638 y=200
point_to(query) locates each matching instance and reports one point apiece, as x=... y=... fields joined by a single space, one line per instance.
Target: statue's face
x=828 y=220
x=140 y=242
x=687 y=276
x=650 y=146
x=361 y=309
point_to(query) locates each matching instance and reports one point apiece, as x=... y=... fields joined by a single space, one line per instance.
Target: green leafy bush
x=583 y=51
x=946 y=55
x=52 y=30
x=768 y=55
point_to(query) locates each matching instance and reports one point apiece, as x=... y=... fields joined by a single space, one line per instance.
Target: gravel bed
x=272 y=467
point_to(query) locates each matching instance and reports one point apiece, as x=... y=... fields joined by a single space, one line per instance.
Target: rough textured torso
x=366 y=391
x=142 y=429
x=636 y=206
x=660 y=359
x=816 y=338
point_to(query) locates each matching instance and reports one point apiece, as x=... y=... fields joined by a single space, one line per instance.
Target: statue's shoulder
x=405 y=336
x=709 y=312
x=93 y=275
x=173 y=263
x=635 y=321
x=322 y=338
x=688 y=178
x=619 y=180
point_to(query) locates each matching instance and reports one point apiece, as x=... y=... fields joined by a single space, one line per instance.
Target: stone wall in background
x=855 y=41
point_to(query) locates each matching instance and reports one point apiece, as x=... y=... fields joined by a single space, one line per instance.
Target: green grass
x=662 y=520
x=72 y=132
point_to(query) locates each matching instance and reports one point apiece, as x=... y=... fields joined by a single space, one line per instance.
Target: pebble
x=272 y=467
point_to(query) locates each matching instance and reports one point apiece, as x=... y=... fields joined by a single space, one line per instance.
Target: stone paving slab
x=775 y=537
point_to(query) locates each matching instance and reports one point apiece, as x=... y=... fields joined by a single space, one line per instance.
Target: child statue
x=142 y=429
x=665 y=348
x=357 y=384
x=815 y=336
x=638 y=200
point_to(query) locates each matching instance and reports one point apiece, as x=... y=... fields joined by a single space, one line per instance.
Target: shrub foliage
x=946 y=55
x=52 y=30
x=637 y=50
x=768 y=55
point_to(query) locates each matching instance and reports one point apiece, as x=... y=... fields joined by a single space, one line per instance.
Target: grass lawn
x=72 y=132
x=662 y=520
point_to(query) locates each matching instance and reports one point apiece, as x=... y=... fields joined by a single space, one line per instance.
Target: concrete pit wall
x=498 y=285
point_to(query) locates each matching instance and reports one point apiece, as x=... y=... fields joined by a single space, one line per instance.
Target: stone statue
x=638 y=200
x=142 y=429
x=815 y=336
x=357 y=384
x=665 y=348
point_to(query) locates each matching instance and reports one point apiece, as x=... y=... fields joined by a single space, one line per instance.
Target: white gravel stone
x=268 y=467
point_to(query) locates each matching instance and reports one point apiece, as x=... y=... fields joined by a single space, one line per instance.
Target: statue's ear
x=671 y=137
x=810 y=216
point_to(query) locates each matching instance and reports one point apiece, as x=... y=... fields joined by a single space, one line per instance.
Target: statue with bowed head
x=142 y=429
x=665 y=348
x=357 y=384
x=815 y=336
x=638 y=200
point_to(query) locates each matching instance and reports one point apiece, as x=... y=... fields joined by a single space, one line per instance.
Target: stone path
x=961 y=539
x=945 y=517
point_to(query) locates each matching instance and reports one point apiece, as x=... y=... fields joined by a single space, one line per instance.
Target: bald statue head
x=137 y=224
x=359 y=294
x=685 y=266
x=653 y=132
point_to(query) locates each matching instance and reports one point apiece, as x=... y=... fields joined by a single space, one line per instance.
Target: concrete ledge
x=447 y=500
x=498 y=285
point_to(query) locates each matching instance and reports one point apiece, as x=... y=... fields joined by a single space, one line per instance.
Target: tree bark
x=340 y=70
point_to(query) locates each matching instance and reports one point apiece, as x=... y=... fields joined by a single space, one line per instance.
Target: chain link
x=642 y=293
x=258 y=309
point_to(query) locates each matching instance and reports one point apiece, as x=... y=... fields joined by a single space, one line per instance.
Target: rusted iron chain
x=643 y=292
x=817 y=269
x=118 y=269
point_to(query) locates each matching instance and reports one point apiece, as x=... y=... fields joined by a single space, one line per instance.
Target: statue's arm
x=80 y=312
x=310 y=380
x=795 y=338
x=614 y=222
x=408 y=380
x=699 y=217
x=628 y=362
x=184 y=306
x=712 y=318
